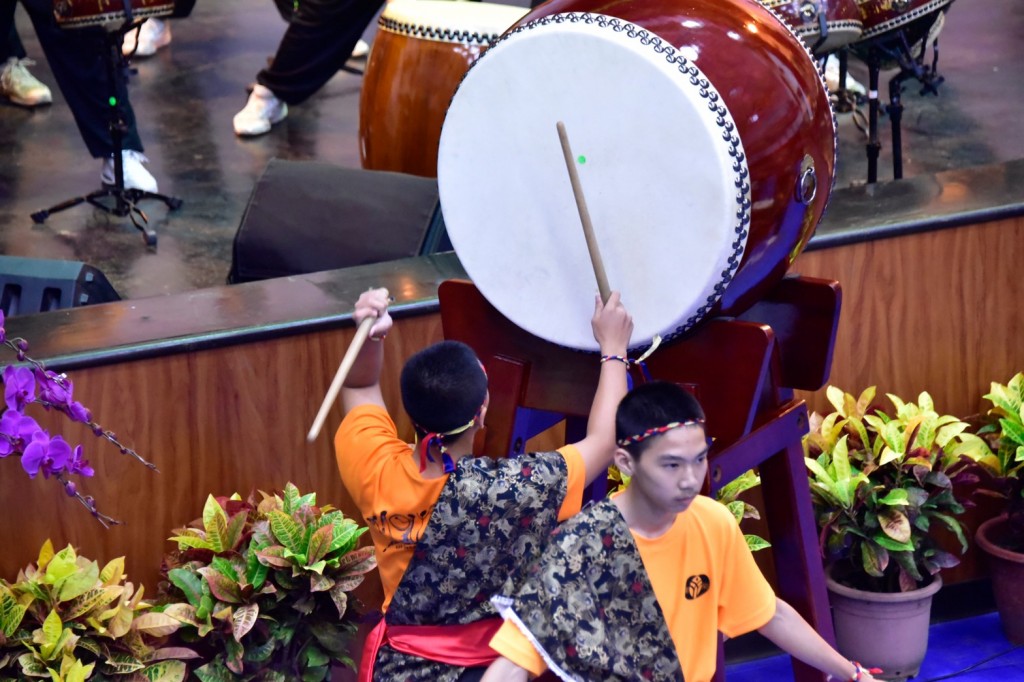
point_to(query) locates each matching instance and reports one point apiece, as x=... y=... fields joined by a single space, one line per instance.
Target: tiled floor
x=954 y=648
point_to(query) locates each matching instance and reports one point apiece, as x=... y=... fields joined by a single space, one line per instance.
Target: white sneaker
x=20 y=86
x=361 y=49
x=135 y=175
x=832 y=78
x=262 y=110
x=154 y=34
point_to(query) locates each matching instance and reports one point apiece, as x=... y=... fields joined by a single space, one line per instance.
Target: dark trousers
x=76 y=58
x=320 y=37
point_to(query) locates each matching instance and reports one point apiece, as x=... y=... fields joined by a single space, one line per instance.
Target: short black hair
x=443 y=386
x=651 y=405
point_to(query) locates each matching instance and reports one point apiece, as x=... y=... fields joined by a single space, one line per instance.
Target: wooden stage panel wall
x=937 y=311
x=941 y=311
x=215 y=421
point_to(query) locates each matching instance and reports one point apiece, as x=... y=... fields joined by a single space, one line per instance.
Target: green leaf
x=61 y=566
x=215 y=521
x=223 y=588
x=896 y=497
x=78 y=583
x=261 y=653
x=11 y=612
x=155 y=624
x=45 y=555
x=225 y=568
x=345 y=536
x=243 y=619
x=235 y=528
x=340 y=599
x=190 y=584
x=91 y=600
x=122 y=664
x=291 y=498
x=191 y=541
x=318 y=567
x=49 y=635
x=319 y=544
x=756 y=543
x=214 y=672
x=874 y=559
x=358 y=561
x=78 y=672
x=274 y=556
x=891 y=545
x=166 y=671
x=895 y=524
x=287 y=531
x=954 y=525
x=320 y=583
x=836 y=397
x=113 y=572
x=1013 y=431
x=255 y=572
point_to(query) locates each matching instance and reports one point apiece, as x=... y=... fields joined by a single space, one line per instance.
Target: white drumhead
x=660 y=163
x=450 y=21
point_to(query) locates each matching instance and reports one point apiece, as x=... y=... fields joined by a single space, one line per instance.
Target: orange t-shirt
x=381 y=473
x=704 y=549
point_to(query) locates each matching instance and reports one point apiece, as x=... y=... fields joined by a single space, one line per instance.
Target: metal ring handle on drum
x=807 y=183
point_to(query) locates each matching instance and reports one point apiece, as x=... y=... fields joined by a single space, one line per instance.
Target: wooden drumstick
x=581 y=206
x=339 y=378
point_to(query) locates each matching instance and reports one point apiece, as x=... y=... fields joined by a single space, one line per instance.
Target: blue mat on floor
x=952 y=647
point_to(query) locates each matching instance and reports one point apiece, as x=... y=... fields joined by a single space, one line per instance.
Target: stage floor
x=186 y=95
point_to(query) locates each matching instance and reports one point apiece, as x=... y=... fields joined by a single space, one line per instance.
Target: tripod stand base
x=125 y=204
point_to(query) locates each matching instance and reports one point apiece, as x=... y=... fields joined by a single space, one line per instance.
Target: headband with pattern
x=657 y=431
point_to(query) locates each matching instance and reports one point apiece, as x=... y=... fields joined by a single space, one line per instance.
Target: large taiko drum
x=882 y=17
x=840 y=20
x=705 y=145
x=421 y=51
x=80 y=13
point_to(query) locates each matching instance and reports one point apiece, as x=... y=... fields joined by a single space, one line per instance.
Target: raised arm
x=791 y=633
x=362 y=385
x=613 y=327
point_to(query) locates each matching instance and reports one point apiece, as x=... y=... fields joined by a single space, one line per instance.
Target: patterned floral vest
x=491 y=515
x=588 y=605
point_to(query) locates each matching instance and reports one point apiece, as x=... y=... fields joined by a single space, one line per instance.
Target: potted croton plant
x=262 y=587
x=66 y=619
x=1001 y=475
x=882 y=483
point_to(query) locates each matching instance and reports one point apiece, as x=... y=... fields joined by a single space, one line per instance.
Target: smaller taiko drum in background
x=825 y=25
x=80 y=13
x=882 y=17
x=421 y=52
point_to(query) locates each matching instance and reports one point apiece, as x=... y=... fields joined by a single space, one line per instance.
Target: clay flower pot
x=887 y=630
x=1007 y=571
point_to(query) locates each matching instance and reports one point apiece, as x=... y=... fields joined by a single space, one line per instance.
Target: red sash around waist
x=463 y=645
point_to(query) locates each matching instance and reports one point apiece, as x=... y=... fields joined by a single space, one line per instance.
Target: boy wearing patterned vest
x=448 y=527
x=638 y=586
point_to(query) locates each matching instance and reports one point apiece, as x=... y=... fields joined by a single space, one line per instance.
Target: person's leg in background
x=77 y=60
x=320 y=38
x=17 y=84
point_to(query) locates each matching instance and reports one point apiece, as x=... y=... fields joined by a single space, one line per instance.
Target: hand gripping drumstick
x=339 y=377
x=581 y=206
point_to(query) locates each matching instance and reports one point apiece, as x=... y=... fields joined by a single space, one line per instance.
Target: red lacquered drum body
x=883 y=16
x=703 y=140
x=842 y=21
x=77 y=13
x=420 y=53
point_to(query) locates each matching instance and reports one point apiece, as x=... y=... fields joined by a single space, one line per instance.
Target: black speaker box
x=35 y=285
x=306 y=216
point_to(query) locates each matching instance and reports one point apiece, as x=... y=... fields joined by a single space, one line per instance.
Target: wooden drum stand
x=743 y=370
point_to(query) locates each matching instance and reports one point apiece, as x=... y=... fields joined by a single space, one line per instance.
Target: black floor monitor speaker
x=35 y=285
x=306 y=216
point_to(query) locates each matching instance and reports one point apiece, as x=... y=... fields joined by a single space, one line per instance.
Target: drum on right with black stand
x=897 y=34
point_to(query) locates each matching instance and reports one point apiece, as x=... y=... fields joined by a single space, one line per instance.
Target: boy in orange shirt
x=449 y=528
x=638 y=586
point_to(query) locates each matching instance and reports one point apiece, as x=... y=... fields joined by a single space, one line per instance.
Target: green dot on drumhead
x=113 y=101
x=581 y=159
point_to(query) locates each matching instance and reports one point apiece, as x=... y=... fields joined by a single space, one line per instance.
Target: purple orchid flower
x=78 y=465
x=45 y=454
x=16 y=429
x=3 y=333
x=19 y=387
x=58 y=390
